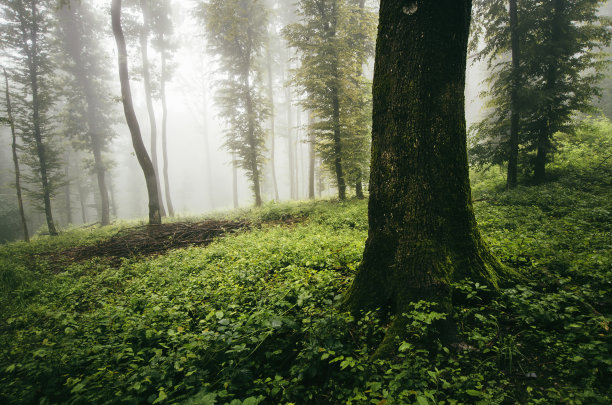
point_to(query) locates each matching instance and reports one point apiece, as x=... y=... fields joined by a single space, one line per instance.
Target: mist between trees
x=244 y=102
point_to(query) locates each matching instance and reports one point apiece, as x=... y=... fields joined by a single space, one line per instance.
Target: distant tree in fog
x=27 y=44
x=88 y=112
x=10 y=121
x=334 y=39
x=126 y=94
x=162 y=30
x=236 y=32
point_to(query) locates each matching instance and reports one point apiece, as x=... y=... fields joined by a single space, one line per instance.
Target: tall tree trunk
x=32 y=54
x=422 y=230
x=514 y=102
x=290 y=145
x=311 y=157
x=164 y=135
x=253 y=152
x=548 y=129
x=82 y=197
x=9 y=114
x=235 y=179
x=337 y=143
x=146 y=78
x=130 y=116
x=272 y=119
x=91 y=98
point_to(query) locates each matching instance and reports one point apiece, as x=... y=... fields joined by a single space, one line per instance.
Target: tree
x=126 y=94
x=162 y=30
x=422 y=230
x=558 y=71
x=236 y=31
x=91 y=124
x=25 y=39
x=9 y=115
x=145 y=7
x=333 y=40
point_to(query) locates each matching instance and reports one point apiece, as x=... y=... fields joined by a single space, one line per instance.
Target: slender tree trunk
x=359 y=186
x=67 y=190
x=514 y=102
x=82 y=197
x=337 y=144
x=130 y=116
x=9 y=114
x=235 y=179
x=32 y=54
x=253 y=159
x=113 y=200
x=164 y=135
x=290 y=145
x=94 y=132
x=422 y=230
x=146 y=78
x=272 y=119
x=311 y=157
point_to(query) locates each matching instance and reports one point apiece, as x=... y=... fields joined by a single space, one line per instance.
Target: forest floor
x=148 y=240
x=246 y=308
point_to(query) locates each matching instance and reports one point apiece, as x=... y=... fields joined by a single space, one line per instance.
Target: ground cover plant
x=256 y=317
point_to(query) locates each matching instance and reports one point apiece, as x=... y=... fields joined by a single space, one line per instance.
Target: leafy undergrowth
x=255 y=317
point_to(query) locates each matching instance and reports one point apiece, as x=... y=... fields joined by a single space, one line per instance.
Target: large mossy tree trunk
x=130 y=116
x=422 y=229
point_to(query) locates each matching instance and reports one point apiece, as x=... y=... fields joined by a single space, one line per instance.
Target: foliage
x=334 y=39
x=255 y=317
x=236 y=32
x=560 y=69
x=27 y=46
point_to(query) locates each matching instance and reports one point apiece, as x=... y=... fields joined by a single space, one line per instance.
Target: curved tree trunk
x=422 y=229
x=9 y=113
x=164 y=135
x=130 y=116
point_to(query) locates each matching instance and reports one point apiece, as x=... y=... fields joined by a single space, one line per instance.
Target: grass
x=255 y=317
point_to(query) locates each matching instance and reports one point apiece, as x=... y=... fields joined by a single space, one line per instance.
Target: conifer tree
x=26 y=41
x=557 y=76
x=88 y=115
x=334 y=38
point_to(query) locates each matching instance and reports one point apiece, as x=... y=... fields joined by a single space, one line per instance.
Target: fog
x=200 y=168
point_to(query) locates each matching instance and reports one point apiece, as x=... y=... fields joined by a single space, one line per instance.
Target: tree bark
x=67 y=189
x=359 y=187
x=146 y=78
x=253 y=158
x=9 y=114
x=141 y=153
x=335 y=99
x=422 y=230
x=514 y=101
x=164 y=134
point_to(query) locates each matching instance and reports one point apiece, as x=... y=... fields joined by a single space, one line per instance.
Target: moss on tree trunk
x=422 y=229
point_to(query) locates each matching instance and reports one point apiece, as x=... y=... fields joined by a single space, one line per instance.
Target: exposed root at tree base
x=150 y=240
